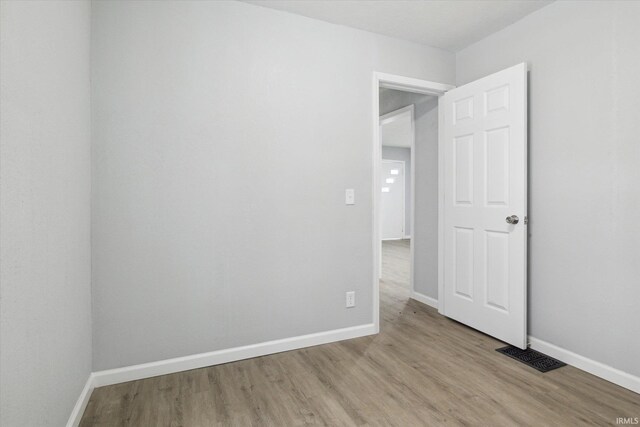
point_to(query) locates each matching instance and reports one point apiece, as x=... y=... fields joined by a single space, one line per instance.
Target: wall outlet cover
x=350 y=299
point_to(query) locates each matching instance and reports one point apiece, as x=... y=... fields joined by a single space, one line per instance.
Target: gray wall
x=392 y=100
x=224 y=137
x=402 y=154
x=45 y=302
x=584 y=275
x=425 y=236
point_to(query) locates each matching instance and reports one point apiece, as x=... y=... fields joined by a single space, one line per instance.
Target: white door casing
x=392 y=201
x=484 y=169
x=408 y=84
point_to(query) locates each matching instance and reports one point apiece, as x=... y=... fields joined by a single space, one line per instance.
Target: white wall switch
x=351 y=299
x=350 y=196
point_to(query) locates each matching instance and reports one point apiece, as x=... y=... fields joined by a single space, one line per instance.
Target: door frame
x=404 y=198
x=406 y=84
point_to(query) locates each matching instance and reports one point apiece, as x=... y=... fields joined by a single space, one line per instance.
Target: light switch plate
x=350 y=196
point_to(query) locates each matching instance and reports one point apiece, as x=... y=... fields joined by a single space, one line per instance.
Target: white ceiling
x=447 y=24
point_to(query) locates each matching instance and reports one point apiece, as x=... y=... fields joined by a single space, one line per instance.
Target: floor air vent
x=535 y=359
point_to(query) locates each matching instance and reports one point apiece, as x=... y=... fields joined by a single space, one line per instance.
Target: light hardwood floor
x=422 y=369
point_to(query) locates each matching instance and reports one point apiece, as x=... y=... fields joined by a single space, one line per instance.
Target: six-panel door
x=485 y=181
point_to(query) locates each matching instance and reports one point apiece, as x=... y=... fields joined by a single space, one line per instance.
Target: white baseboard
x=616 y=376
x=169 y=366
x=431 y=302
x=178 y=364
x=81 y=404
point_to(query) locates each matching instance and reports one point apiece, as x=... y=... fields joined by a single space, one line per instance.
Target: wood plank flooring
x=422 y=369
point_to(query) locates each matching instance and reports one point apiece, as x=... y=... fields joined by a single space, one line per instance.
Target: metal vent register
x=535 y=359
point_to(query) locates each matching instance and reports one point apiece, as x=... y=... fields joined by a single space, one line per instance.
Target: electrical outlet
x=351 y=299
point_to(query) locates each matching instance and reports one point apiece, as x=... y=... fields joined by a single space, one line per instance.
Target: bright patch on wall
x=394 y=171
x=385 y=189
x=390 y=180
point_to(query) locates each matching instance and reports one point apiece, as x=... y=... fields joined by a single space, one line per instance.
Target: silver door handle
x=513 y=219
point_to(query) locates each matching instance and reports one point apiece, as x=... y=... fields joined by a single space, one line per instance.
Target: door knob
x=513 y=219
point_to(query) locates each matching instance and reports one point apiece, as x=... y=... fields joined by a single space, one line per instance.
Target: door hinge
x=526 y=220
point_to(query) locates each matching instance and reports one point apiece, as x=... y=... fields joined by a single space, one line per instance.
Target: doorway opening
x=408 y=199
x=405 y=192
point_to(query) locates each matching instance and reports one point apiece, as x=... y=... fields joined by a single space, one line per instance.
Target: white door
x=484 y=139
x=392 y=200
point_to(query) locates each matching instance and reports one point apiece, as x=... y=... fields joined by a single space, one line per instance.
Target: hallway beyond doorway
x=396 y=268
